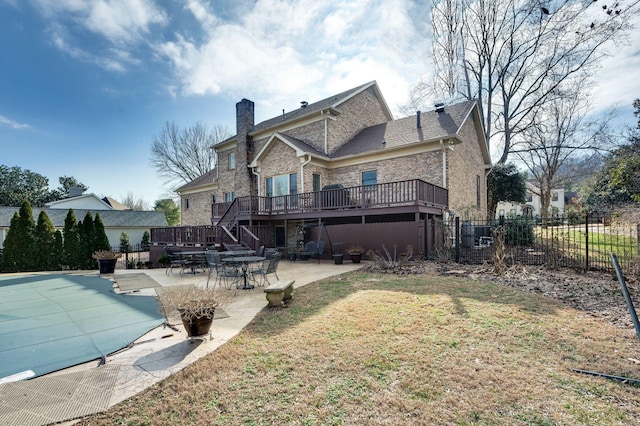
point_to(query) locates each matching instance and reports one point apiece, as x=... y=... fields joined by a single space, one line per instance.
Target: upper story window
x=281 y=185
x=186 y=204
x=229 y=196
x=316 y=182
x=213 y=198
x=478 y=191
x=554 y=196
x=232 y=161
x=529 y=197
x=370 y=177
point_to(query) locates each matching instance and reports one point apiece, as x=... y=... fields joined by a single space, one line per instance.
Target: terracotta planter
x=197 y=326
x=356 y=257
x=107 y=266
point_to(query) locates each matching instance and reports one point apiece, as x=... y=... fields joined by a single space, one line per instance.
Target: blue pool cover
x=51 y=322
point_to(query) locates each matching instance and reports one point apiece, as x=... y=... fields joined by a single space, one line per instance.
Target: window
x=293 y=183
x=370 y=177
x=554 y=196
x=186 y=204
x=281 y=185
x=229 y=196
x=478 y=191
x=213 y=198
x=316 y=182
x=232 y=161
x=529 y=197
x=501 y=212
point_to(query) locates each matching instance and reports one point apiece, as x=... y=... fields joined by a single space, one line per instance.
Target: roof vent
x=304 y=104
x=439 y=107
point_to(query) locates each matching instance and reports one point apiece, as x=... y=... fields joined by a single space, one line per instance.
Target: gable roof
x=87 y=198
x=332 y=102
x=206 y=179
x=433 y=126
x=110 y=218
x=299 y=146
x=115 y=204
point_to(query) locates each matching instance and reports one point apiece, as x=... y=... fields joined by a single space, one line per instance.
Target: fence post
x=457 y=224
x=586 y=242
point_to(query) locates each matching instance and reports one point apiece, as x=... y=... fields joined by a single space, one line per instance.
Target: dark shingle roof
x=309 y=109
x=205 y=179
x=110 y=218
x=404 y=131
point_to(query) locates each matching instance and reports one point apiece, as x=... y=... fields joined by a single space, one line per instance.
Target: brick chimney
x=244 y=184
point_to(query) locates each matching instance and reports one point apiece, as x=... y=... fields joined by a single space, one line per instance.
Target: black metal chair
x=269 y=267
x=176 y=260
x=214 y=262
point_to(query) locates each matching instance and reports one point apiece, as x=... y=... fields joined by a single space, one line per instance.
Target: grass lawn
x=367 y=349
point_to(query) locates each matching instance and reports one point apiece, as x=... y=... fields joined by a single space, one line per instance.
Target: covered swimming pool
x=54 y=321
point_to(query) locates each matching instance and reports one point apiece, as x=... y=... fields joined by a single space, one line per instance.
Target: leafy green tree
x=63 y=191
x=17 y=185
x=617 y=183
x=71 y=241
x=125 y=245
x=58 y=251
x=505 y=183
x=101 y=241
x=170 y=209
x=87 y=241
x=9 y=256
x=146 y=240
x=45 y=243
x=25 y=247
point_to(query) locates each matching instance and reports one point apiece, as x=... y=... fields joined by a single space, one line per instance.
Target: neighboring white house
x=533 y=205
x=116 y=217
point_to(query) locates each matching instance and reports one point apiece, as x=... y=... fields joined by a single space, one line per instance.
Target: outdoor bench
x=278 y=292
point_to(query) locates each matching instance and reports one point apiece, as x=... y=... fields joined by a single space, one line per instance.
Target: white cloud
x=119 y=21
x=121 y=24
x=617 y=82
x=281 y=52
x=5 y=121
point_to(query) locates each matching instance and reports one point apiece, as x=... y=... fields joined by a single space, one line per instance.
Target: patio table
x=244 y=262
x=193 y=256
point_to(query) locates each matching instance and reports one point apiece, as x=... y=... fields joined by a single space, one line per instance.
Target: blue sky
x=86 y=84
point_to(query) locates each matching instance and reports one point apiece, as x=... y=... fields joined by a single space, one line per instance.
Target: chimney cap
x=304 y=104
x=439 y=106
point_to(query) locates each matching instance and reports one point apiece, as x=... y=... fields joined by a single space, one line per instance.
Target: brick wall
x=464 y=165
x=359 y=112
x=199 y=211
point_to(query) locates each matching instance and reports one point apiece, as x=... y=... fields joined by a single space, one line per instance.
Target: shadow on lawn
x=314 y=297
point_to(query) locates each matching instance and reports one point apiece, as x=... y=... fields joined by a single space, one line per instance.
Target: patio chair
x=176 y=260
x=260 y=251
x=269 y=267
x=230 y=275
x=214 y=262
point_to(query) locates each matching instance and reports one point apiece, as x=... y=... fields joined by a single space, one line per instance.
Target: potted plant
x=106 y=260
x=355 y=252
x=196 y=306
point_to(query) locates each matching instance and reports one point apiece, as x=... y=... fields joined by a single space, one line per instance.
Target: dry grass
x=404 y=350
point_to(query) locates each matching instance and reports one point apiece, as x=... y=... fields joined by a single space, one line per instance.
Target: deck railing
x=393 y=194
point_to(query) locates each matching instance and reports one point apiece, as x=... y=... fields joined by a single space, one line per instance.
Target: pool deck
x=165 y=350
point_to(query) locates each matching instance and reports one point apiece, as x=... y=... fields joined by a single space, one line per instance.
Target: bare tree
x=556 y=137
x=515 y=56
x=134 y=203
x=181 y=155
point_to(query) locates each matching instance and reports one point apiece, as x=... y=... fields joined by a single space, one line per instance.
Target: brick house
x=345 y=170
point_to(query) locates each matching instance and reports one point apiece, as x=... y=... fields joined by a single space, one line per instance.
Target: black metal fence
x=134 y=256
x=585 y=243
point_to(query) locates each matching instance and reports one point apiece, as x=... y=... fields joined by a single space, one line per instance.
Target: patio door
x=280 y=187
